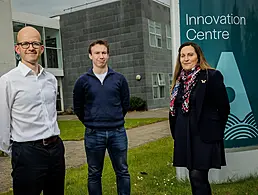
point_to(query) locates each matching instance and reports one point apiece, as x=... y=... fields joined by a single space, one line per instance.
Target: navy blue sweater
x=101 y=106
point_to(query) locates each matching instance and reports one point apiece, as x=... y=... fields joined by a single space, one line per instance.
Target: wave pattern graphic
x=237 y=129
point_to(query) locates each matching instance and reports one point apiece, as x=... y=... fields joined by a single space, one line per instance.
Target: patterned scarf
x=189 y=81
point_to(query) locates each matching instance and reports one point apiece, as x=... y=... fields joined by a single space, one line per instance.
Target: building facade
x=140 y=44
x=138 y=33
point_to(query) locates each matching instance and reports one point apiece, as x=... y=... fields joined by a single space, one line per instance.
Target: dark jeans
x=199 y=182
x=38 y=168
x=96 y=143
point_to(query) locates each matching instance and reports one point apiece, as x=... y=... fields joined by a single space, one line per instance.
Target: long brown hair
x=201 y=60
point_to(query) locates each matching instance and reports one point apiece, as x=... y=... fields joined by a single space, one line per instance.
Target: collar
x=25 y=70
x=90 y=71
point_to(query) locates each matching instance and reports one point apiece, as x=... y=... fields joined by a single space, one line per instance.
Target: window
x=170 y=78
x=59 y=101
x=158 y=85
x=52 y=56
x=16 y=27
x=155 y=34
x=40 y=29
x=169 y=38
x=53 y=48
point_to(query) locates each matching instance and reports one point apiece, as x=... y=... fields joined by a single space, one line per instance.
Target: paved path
x=75 y=154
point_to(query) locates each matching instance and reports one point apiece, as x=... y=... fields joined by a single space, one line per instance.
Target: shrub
x=137 y=104
x=68 y=111
x=2 y=154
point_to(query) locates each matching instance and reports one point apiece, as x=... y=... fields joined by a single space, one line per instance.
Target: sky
x=44 y=7
x=51 y=7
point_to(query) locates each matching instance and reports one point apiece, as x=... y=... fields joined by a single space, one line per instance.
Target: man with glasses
x=28 y=130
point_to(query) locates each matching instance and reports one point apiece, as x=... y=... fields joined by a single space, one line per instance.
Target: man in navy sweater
x=101 y=101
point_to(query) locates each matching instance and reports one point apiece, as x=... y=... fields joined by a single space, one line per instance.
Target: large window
x=158 y=85
x=155 y=34
x=169 y=38
x=52 y=56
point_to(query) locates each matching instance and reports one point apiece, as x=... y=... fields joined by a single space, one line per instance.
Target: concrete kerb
x=154 y=113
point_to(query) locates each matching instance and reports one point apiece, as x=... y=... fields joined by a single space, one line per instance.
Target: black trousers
x=199 y=182
x=38 y=167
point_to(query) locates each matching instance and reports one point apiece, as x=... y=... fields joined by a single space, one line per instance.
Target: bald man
x=29 y=131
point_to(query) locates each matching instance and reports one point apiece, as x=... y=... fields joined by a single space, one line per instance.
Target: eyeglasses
x=26 y=45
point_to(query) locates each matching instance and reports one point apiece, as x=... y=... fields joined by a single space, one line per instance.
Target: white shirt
x=101 y=77
x=27 y=106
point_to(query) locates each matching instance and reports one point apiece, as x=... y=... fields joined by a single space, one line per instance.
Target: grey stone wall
x=120 y=23
x=157 y=60
x=124 y=24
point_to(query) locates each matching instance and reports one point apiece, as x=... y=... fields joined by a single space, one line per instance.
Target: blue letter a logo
x=241 y=128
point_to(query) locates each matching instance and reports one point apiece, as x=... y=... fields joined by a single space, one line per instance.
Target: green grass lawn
x=74 y=129
x=154 y=159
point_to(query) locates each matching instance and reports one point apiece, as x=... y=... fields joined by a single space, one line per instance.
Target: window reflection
x=155 y=34
x=169 y=38
x=158 y=85
x=16 y=27
x=52 y=38
x=52 y=59
x=53 y=48
x=58 y=99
